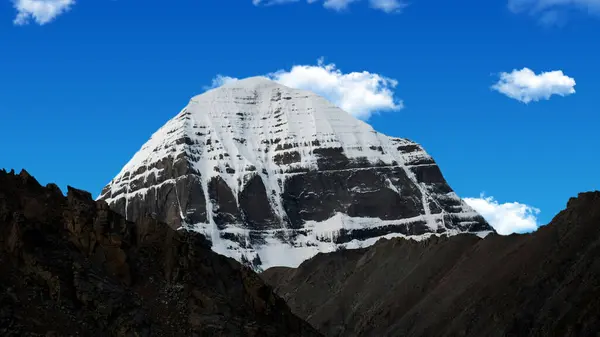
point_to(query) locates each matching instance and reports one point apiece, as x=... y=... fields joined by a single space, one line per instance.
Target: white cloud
x=336 y=5
x=525 y=86
x=550 y=10
x=388 y=6
x=41 y=11
x=507 y=218
x=359 y=93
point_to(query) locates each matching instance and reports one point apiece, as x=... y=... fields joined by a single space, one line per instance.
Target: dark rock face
x=70 y=266
x=226 y=210
x=541 y=284
x=312 y=195
x=256 y=207
x=359 y=193
x=164 y=196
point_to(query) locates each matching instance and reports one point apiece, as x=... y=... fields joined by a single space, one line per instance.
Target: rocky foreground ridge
x=273 y=175
x=542 y=284
x=69 y=266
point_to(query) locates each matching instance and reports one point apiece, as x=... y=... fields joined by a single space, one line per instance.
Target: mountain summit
x=274 y=175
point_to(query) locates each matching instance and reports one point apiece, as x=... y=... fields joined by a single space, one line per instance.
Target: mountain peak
x=273 y=175
x=255 y=83
x=252 y=83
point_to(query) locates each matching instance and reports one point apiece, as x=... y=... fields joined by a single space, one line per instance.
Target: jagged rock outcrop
x=274 y=175
x=69 y=266
x=542 y=284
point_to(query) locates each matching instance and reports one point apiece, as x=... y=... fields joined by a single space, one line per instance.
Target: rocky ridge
x=542 y=284
x=69 y=266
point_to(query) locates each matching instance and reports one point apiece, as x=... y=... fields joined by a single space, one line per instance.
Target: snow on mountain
x=274 y=175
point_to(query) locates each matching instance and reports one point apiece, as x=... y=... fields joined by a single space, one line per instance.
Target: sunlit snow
x=235 y=127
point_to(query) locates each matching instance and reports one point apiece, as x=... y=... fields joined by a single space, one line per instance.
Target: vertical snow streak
x=214 y=231
x=127 y=198
x=387 y=146
x=181 y=216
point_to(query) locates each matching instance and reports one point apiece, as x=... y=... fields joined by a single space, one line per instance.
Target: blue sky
x=81 y=92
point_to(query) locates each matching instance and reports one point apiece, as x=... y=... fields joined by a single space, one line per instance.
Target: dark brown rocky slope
x=541 y=284
x=69 y=266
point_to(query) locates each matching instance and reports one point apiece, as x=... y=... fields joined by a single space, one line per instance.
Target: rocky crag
x=69 y=266
x=542 y=284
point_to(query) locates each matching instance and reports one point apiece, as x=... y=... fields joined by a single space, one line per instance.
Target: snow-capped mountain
x=274 y=175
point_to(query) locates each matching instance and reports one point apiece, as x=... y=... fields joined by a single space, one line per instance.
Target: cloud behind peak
x=362 y=94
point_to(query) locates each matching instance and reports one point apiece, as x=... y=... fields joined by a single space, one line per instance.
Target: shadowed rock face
x=357 y=193
x=541 y=284
x=69 y=266
x=259 y=167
